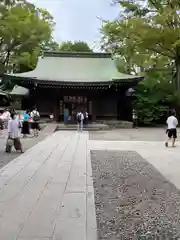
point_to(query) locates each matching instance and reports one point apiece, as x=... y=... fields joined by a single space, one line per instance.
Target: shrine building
x=77 y=81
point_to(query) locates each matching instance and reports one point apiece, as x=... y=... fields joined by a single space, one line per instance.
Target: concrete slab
x=42 y=220
x=47 y=193
x=70 y=228
x=39 y=187
x=27 y=143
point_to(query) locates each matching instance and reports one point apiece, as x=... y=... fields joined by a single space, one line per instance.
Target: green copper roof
x=75 y=67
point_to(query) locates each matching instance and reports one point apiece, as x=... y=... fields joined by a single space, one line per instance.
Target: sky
x=79 y=20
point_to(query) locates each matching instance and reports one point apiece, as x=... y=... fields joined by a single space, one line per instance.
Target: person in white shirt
x=172 y=123
x=134 y=118
x=35 y=122
x=86 y=117
x=14 y=132
x=51 y=116
x=80 y=119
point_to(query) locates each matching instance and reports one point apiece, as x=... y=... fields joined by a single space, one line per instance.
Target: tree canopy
x=25 y=31
x=78 y=46
x=145 y=38
x=151 y=31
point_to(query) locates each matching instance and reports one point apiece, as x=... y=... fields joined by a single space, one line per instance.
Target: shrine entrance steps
x=89 y=127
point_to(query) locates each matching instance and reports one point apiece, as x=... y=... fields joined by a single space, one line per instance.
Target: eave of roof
x=74 y=83
x=3 y=93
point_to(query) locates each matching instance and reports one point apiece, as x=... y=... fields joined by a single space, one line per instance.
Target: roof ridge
x=77 y=54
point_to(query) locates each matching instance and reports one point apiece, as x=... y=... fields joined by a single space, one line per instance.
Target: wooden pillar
x=94 y=110
x=55 y=104
x=59 y=105
x=55 y=113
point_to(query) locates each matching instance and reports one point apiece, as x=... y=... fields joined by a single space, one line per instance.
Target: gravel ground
x=141 y=134
x=133 y=200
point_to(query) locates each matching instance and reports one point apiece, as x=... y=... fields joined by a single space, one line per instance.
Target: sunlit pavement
x=47 y=193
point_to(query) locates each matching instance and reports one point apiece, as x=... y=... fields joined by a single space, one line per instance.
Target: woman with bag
x=13 y=134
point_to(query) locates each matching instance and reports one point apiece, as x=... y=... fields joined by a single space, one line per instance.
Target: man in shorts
x=172 y=123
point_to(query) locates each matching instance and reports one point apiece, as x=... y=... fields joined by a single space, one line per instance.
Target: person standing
x=25 y=125
x=80 y=119
x=86 y=117
x=134 y=118
x=35 y=122
x=66 y=115
x=14 y=133
x=171 y=131
x=51 y=117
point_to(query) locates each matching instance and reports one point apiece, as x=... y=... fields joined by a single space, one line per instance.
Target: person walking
x=25 y=125
x=80 y=119
x=4 y=118
x=35 y=122
x=171 y=131
x=14 y=134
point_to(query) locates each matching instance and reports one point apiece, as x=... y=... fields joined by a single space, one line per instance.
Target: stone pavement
x=138 y=134
x=47 y=193
x=27 y=143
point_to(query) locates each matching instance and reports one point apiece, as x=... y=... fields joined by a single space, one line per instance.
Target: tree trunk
x=178 y=74
x=129 y=65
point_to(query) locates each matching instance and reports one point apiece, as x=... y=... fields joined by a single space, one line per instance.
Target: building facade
x=77 y=81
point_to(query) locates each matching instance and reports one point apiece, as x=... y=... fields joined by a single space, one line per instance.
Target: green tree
x=24 y=31
x=156 y=27
x=117 y=38
x=120 y=38
x=145 y=36
x=155 y=96
x=10 y=2
x=75 y=47
x=50 y=45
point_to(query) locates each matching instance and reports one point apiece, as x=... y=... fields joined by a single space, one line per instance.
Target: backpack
x=36 y=117
x=79 y=117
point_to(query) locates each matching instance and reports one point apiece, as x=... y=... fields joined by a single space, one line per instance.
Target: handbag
x=9 y=145
x=10 y=142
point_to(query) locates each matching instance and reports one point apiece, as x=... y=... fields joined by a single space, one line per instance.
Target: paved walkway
x=47 y=193
x=135 y=134
x=27 y=143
